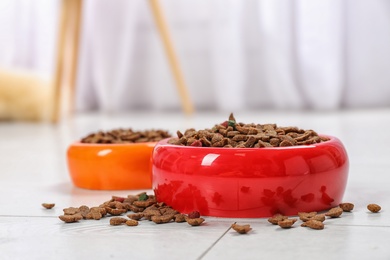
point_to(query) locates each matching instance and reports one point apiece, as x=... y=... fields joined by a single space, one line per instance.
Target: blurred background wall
x=235 y=55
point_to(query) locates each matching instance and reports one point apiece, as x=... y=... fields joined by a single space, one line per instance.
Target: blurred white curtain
x=235 y=54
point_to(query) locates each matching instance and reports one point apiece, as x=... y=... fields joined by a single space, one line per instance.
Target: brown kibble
x=95 y=213
x=242 y=229
x=71 y=218
x=334 y=212
x=144 y=203
x=276 y=218
x=179 y=218
x=115 y=212
x=132 y=222
x=162 y=219
x=115 y=221
x=346 y=207
x=287 y=223
x=135 y=216
x=319 y=217
x=195 y=221
x=374 y=208
x=48 y=205
x=313 y=224
x=71 y=211
x=84 y=210
x=305 y=216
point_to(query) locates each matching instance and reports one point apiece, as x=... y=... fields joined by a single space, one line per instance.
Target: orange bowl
x=110 y=166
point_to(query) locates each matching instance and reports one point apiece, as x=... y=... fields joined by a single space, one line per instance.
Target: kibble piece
x=346 y=207
x=374 y=208
x=84 y=210
x=334 y=212
x=287 y=223
x=276 y=218
x=48 y=205
x=242 y=229
x=135 y=216
x=131 y=222
x=179 y=218
x=94 y=213
x=162 y=219
x=313 y=224
x=115 y=212
x=195 y=221
x=115 y=221
x=319 y=217
x=71 y=218
x=305 y=216
x=71 y=211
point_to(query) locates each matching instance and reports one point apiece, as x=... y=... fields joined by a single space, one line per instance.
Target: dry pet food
x=276 y=218
x=132 y=222
x=116 y=221
x=71 y=218
x=121 y=136
x=313 y=224
x=304 y=216
x=142 y=205
x=374 y=208
x=334 y=212
x=346 y=207
x=195 y=221
x=242 y=229
x=48 y=205
x=287 y=223
x=239 y=135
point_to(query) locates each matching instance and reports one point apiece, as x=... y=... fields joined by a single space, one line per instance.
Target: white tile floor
x=33 y=170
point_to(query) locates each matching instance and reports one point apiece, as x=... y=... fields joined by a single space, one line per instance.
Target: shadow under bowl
x=110 y=166
x=250 y=182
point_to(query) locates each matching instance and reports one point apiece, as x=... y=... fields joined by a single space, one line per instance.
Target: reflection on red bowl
x=110 y=166
x=250 y=182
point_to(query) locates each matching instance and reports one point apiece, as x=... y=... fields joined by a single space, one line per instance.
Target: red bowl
x=250 y=182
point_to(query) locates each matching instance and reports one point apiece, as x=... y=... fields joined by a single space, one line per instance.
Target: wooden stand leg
x=68 y=41
x=172 y=58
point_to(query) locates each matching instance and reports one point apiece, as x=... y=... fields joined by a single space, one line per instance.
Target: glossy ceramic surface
x=250 y=182
x=110 y=166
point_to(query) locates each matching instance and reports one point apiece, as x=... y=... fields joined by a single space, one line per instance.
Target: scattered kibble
x=374 y=208
x=132 y=222
x=313 y=224
x=346 y=206
x=242 y=229
x=334 y=212
x=287 y=223
x=48 y=205
x=305 y=216
x=195 y=221
x=116 y=221
x=71 y=218
x=276 y=218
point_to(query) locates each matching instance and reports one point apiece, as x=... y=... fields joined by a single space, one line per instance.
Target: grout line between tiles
x=213 y=244
x=19 y=216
